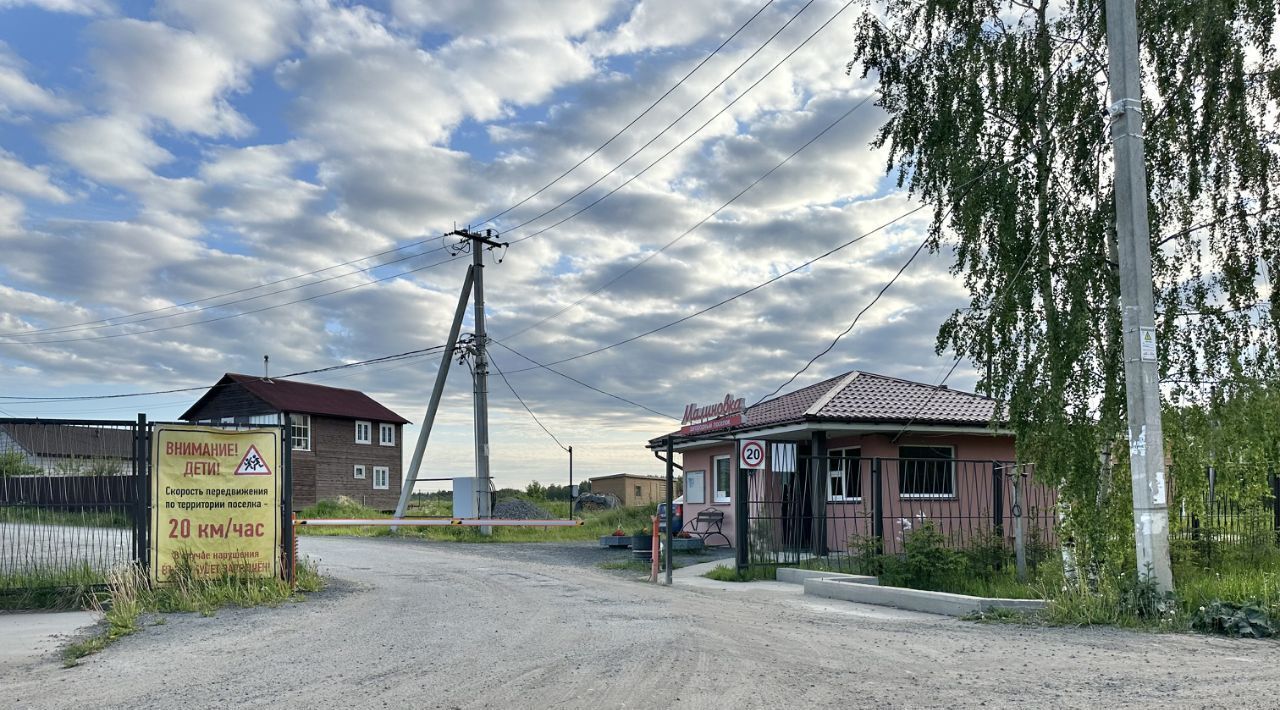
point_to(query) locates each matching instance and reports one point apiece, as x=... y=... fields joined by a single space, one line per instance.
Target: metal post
x=741 y=526
x=1275 y=503
x=671 y=477
x=1141 y=368
x=286 y=502
x=997 y=498
x=571 y=496
x=437 y=391
x=877 y=505
x=481 y=381
x=818 y=484
x=1019 y=548
x=141 y=511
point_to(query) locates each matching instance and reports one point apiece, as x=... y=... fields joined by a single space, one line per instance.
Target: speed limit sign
x=752 y=455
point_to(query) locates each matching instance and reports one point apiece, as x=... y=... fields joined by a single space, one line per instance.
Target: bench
x=706 y=525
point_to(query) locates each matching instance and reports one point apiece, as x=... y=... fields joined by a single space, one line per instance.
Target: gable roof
x=70 y=441
x=867 y=397
x=305 y=398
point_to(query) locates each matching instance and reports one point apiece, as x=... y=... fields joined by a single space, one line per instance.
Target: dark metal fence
x=837 y=510
x=72 y=500
x=1225 y=522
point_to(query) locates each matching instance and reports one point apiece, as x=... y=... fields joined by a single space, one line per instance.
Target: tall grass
x=56 y=588
x=130 y=596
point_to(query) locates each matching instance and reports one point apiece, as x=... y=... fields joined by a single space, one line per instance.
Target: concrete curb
x=913 y=599
x=791 y=575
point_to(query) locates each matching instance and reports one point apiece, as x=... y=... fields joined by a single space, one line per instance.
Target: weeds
x=723 y=573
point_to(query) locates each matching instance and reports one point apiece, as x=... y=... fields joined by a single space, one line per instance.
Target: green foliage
x=927 y=562
x=13 y=463
x=995 y=113
x=535 y=491
x=724 y=573
x=53 y=589
x=1245 y=621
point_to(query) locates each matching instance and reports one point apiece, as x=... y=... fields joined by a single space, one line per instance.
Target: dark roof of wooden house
x=71 y=441
x=304 y=398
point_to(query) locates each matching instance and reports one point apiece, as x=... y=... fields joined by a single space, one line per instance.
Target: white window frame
x=951 y=461
x=385 y=473
x=722 y=496
x=367 y=429
x=300 y=422
x=359 y=471
x=838 y=466
x=386 y=434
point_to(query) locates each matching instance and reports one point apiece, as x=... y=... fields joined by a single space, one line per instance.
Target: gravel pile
x=517 y=509
x=596 y=501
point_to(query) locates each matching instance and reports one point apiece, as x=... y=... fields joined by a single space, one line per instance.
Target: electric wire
x=674 y=148
x=575 y=380
x=520 y=399
x=696 y=225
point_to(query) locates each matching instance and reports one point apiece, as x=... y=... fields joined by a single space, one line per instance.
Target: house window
x=301 y=426
x=721 y=464
x=381 y=477
x=387 y=434
x=638 y=493
x=926 y=472
x=844 y=475
x=362 y=432
x=359 y=471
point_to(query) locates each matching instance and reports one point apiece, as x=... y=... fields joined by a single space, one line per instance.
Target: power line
x=641 y=115
x=575 y=380
x=520 y=399
x=699 y=223
x=660 y=158
x=20 y=399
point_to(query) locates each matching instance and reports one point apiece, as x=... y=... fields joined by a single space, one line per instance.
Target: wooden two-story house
x=344 y=442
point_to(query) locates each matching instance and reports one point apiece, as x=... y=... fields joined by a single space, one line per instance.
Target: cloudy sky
x=166 y=169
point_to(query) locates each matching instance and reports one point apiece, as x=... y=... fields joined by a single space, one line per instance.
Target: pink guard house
x=857 y=459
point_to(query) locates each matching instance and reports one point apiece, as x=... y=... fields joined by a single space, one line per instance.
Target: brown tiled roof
x=867 y=397
x=305 y=398
x=64 y=440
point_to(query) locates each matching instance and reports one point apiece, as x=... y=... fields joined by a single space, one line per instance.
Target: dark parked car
x=677 y=513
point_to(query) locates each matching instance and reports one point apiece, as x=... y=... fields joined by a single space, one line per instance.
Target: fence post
x=1019 y=549
x=1275 y=504
x=742 y=533
x=142 y=491
x=997 y=498
x=818 y=484
x=877 y=505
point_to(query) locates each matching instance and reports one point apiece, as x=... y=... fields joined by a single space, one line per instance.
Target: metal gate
x=75 y=500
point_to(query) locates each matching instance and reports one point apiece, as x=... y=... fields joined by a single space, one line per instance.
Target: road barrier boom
x=434 y=522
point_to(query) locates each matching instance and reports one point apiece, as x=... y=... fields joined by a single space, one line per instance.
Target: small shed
x=631 y=489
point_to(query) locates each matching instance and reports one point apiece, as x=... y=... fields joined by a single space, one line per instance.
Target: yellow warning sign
x=215 y=501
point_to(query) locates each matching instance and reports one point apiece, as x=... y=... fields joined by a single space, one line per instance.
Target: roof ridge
x=936 y=388
x=831 y=393
x=272 y=381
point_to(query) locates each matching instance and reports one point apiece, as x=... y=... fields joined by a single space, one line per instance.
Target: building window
x=695 y=487
x=844 y=475
x=301 y=426
x=926 y=472
x=721 y=465
x=387 y=434
x=359 y=471
x=362 y=432
x=381 y=478
x=638 y=493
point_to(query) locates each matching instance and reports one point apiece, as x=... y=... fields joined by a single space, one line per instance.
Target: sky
x=167 y=169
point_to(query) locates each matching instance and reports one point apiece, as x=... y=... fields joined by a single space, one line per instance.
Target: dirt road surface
x=433 y=625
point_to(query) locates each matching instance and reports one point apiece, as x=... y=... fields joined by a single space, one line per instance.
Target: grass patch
x=596 y=524
x=52 y=589
x=31 y=515
x=131 y=596
x=724 y=573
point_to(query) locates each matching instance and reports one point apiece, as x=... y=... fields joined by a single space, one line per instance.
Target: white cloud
x=110 y=149
x=17 y=177
x=505 y=18
x=11 y=210
x=152 y=69
x=252 y=31
x=77 y=7
x=19 y=94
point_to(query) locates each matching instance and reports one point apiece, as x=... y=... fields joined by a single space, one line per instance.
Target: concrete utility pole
x=1141 y=368
x=480 y=395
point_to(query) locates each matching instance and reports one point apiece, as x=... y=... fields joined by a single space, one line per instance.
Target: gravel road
x=408 y=624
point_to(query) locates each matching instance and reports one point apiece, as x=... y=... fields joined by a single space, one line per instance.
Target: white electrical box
x=465 y=501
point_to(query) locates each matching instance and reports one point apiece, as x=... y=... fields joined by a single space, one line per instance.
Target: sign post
x=216 y=502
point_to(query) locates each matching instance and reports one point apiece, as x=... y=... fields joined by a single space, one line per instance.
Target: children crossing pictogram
x=253 y=464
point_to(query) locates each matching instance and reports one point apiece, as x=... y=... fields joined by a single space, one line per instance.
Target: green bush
x=926 y=563
x=13 y=463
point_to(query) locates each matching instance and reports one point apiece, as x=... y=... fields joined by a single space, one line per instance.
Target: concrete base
x=790 y=575
x=686 y=544
x=913 y=599
x=615 y=541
